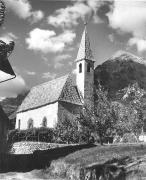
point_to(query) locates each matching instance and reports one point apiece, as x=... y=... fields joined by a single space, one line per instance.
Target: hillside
x=10 y=106
x=120 y=71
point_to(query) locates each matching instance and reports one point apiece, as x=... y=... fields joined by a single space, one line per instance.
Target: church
x=50 y=102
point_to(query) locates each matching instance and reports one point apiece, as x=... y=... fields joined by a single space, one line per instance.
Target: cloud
x=47 y=40
x=31 y=73
x=111 y=37
x=140 y=43
x=59 y=60
x=7 y=37
x=74 y=71
x=66 y=17
x=23 y=9
x=48 y=75
x=37 y=16
x=130 y=17
x=45 y=59
x=12 y=87
x=69 y=16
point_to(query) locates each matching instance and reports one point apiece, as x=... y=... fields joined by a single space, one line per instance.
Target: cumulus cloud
x=37 y=16
x=140 y=43
x=12 y=87
x=59 y=60
x=7 y=37
x=47 y=40
x=23 y=9
x=66 y=17
x=69 y=16
x=129 y=16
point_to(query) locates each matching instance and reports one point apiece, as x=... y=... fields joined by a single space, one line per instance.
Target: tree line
x=109 y=119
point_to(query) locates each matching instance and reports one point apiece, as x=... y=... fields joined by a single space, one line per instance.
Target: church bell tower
x=85 y=71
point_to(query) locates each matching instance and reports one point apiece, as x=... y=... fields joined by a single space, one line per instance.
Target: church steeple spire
x=85 y=71
x=85 y=51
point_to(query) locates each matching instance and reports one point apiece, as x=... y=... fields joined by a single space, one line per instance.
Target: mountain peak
x=126 y=56
x=119 y=53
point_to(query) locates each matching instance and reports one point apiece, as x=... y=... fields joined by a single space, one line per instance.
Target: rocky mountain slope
x=10 y=106
x=120 y=71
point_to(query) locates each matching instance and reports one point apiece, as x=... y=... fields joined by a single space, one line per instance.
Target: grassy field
x=97 y=155
x=100 y=154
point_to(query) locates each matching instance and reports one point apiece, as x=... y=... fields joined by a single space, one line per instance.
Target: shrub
x=129 y=138
x=12 y=135
x=35 y=134
x=117 y=139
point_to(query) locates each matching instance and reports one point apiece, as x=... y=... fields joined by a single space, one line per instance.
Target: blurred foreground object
x=2 y=12
x=6 y=71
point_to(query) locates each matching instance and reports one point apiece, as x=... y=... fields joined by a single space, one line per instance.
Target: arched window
x=19 y=124
x=30 y=123
x=80 y=68
x=88 y=67
x=44 y=123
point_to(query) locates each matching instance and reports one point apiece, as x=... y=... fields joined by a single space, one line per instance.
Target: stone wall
x=28 y=147
x=39 y=159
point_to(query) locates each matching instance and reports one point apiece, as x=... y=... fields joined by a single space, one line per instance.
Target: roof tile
x=60 y=89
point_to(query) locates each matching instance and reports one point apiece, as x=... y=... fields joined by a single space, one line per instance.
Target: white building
x=50 y=102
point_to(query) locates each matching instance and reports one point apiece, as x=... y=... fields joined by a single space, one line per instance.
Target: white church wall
x=142 y=138
x=37 y=115
x=85 y=82
x=80 y=76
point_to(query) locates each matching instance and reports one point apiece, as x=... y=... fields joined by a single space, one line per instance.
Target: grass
x=105 y=153
x=96 y=155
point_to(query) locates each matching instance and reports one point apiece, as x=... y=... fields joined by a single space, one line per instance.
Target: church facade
x=50 y=102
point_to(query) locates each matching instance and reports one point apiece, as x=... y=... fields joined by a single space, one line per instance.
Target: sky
x=47 y=35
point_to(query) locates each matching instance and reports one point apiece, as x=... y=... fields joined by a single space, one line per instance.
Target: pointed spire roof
x=85 y=51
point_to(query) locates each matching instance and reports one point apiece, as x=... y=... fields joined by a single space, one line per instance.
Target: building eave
x=85 y=59
x=78 y=104
x=37 y=107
